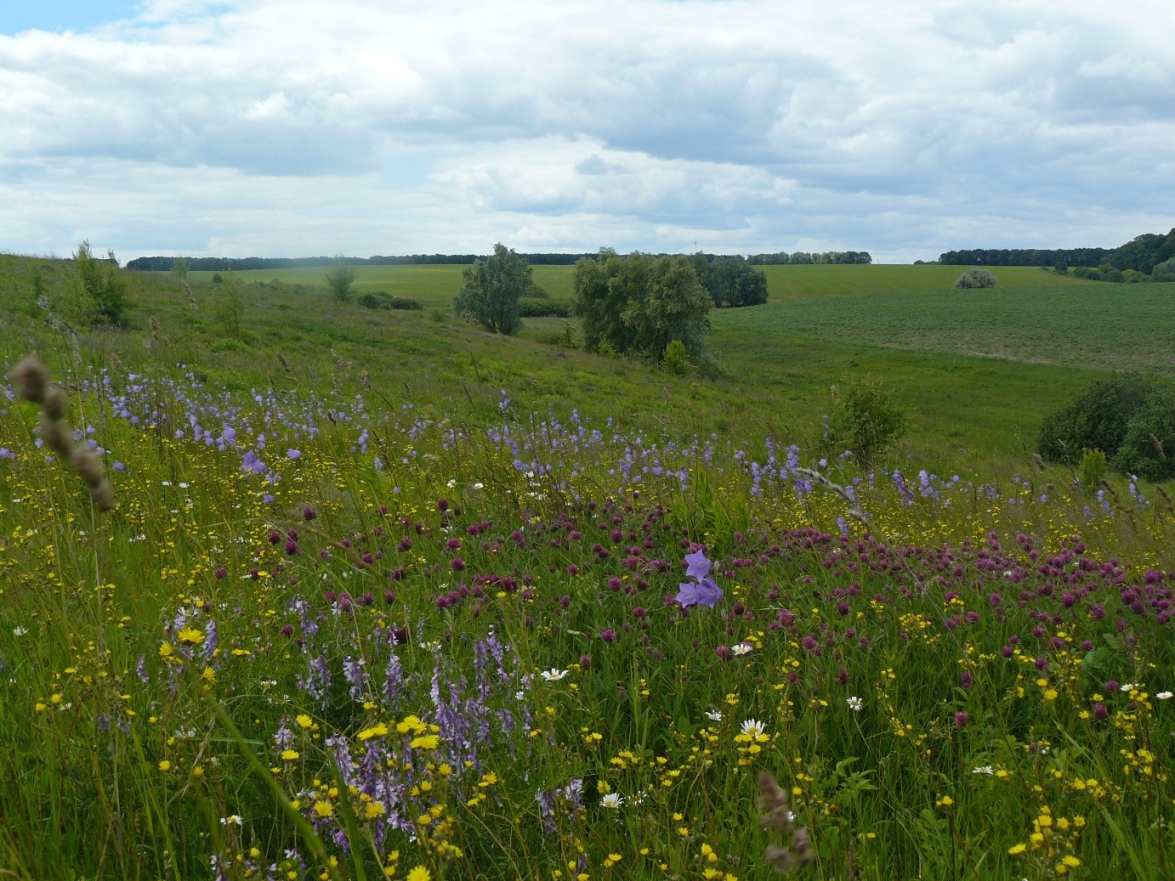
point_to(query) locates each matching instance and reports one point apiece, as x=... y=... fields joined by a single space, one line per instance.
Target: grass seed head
x=30 y=379
x=55 y=402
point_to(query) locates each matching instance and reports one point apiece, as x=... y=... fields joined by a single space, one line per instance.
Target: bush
x=492 y=288
x=339 y=279
x=975 y=278
x=636 y=305
x=371 y=301
x=676 y=359
x=1164 y=271
x=1092 y=468
x=1148 y=447
x=864 y=418
x=1095 y=420
x=534 y=308
x=102 y=283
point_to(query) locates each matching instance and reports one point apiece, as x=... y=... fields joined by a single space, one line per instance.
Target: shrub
x=339 y=279
x=217 y=278
x=371 y=301
x=864 y=418
x=1092 y=468
x=676 y=359
x=534 y=308
x=1095 y=420
x=636 y=305
x=492 y=288
x=230 y=309
x=102 y=283
x=975 y=278
x=1148 y=447
x=1164 y=271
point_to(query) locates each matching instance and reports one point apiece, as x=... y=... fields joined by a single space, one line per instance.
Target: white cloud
x=304 y=126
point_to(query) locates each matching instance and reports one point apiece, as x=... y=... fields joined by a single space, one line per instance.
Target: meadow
x=385 y=596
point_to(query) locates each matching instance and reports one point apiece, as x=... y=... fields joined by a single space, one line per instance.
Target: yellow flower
x=1071 y=861
x=425 y=741
x=289 y=755
x=420 y=873
x=1017 y=849
x=411 y=724
x=323 y=809
x=190 y=636
x=374 y=809
x=379 y=730
x=165 y=765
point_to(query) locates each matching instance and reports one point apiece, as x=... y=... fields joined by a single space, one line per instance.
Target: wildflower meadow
x=326 y=628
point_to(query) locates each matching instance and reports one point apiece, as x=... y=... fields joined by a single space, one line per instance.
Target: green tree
x=230 y=308
x=732 y=281
x=339 y=279
x=179 y=267
x=864 y=418
x=637 y=305
x=491 y=289
x=102 y=284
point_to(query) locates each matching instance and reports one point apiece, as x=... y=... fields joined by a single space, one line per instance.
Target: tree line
x=1140 y=255
x=240 y=264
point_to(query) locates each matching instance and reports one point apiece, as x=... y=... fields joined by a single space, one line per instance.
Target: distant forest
x=1141 y=255
x=238 y=264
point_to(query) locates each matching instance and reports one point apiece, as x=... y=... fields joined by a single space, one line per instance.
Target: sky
x=308 y=127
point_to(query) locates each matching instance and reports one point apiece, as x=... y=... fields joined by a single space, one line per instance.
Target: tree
x=732 y=281
x=491 y=289
x=339 y=279
x=179 y=267
x=637 y=305
x=102 y=283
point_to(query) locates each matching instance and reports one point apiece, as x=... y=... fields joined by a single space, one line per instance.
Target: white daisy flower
x=753 y=728
x=611 y=800
x=231 y=819
x=985 y=769
x=554 y=675
x=1129 y=686
x=1164 y=695
x=855 y=703
x=19 y=631
x=714 y=715
x=743 y=648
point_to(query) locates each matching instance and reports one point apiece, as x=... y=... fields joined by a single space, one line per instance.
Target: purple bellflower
x=701 y=590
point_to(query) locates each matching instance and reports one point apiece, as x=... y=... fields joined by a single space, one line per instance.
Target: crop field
x=384 y=596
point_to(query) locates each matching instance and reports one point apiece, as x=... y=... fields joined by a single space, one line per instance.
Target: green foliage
x=492 y=288
x=676 y=359
x=731 y=281
x=539 y=308
x=230 y=308
x=1164 y=271
x=339 y=279
x=179 y=267
x=217 y=278
x=1096 y=419
x=102 y=284
x=975 y=278
x=864 y=418
x=1092 y=468
x=636 y=305
x=1148 y=446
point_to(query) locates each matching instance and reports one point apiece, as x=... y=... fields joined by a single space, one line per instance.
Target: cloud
x=307 y=126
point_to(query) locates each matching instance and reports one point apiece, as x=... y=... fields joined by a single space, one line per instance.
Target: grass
x=337 y=634
x=1108 y=326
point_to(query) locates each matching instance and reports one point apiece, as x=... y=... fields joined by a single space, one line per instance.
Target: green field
x=386 y=596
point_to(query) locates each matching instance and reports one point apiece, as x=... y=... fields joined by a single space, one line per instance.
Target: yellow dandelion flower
x=190 y=636
x=289 y=755
x=303 y=720
x=323 y=809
